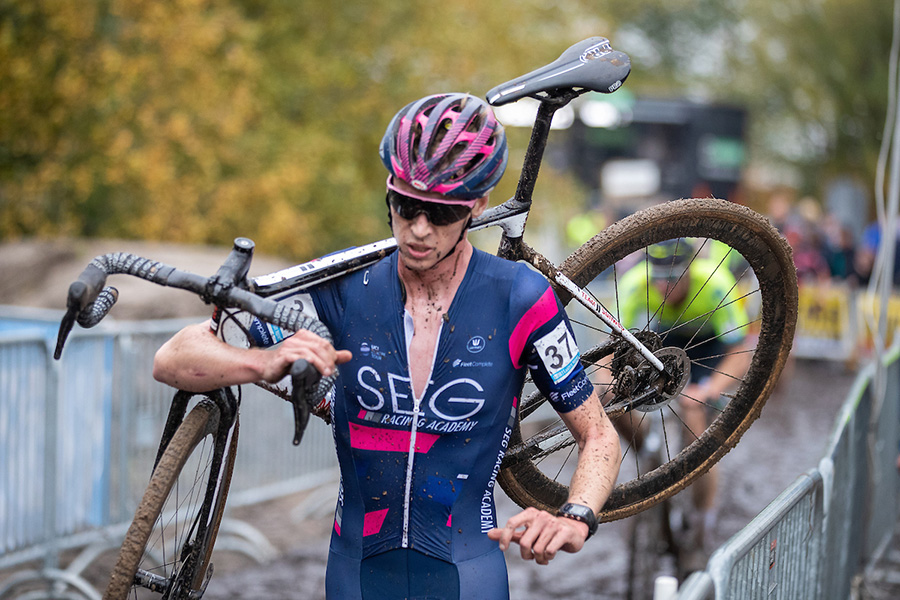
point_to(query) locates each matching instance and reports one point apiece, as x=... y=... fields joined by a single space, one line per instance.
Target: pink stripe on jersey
x=373 y=521
x=542 y=311
x=388 y=440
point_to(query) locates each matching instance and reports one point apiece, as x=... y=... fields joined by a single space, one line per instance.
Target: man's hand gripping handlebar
x=90 y=300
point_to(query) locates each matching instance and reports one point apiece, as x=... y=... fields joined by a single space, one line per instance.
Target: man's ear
x=480 y=206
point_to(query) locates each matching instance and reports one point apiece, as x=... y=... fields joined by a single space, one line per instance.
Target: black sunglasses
x=437 y=214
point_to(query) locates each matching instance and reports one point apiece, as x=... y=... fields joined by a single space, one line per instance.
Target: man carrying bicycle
x=434 y=341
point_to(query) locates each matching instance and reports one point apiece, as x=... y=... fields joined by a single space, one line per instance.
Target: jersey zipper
x=409 y=330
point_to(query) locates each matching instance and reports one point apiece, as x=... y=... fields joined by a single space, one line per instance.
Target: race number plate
x=558 y=352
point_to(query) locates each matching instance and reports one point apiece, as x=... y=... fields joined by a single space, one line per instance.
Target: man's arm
x=195 y=360
x=599 y=455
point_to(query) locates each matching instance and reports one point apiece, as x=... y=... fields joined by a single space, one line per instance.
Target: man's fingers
x=318 y=351
x=542 y=548
x=500 y=536
x=556 y=542
x=526 y=543
x=529 y=541
x=540 y=535
x=505 y=536
x=519 y=524
x=553 y=534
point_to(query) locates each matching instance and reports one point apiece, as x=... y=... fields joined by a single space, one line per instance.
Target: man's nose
x=420 y=225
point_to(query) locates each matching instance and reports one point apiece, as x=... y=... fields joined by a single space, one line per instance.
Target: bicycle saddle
x=590 y=64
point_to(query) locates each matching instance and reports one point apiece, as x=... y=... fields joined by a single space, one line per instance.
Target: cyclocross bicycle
x=636 y=373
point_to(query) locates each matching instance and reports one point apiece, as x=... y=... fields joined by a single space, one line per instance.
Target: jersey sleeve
x=543 y=340
x=328 y=303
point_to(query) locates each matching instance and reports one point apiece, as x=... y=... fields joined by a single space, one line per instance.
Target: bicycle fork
x=173 y=586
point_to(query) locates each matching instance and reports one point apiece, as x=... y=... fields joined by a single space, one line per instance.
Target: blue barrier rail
x=78 y=438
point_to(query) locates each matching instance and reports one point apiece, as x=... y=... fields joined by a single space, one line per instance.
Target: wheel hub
x=671 y=382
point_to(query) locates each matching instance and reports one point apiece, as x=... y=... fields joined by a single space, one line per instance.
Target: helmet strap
x=462 y=234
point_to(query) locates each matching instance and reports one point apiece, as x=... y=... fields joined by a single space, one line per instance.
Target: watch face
x=581 y=513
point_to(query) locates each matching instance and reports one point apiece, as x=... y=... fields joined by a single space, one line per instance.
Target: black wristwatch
x=579 y=512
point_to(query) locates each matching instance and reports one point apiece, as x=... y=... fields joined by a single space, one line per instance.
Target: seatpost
x=511 y=246
x=535 y=153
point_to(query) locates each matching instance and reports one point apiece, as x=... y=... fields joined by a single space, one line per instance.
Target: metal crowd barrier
x=77 y=442
x=831 y=522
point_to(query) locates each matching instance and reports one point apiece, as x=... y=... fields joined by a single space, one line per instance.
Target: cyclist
x=434 y=341
x=694 y=302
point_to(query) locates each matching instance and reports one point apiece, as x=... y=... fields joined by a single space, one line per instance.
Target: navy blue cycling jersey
x=419 y=473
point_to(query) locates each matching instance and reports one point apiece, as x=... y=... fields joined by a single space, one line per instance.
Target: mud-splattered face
x=421 y=243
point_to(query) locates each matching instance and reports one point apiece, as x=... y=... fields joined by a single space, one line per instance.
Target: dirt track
x=789 y=439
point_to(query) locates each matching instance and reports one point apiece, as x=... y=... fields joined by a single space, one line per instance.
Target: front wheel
x=167 y=548
x=732 y=328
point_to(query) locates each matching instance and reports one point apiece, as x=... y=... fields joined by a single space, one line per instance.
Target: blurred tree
x=816 y=77
x=194 y=120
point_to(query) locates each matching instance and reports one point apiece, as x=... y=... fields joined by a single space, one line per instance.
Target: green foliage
x=819 y=72
x=198 y=121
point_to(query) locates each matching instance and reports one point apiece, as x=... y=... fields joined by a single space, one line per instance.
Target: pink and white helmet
x=451 y=144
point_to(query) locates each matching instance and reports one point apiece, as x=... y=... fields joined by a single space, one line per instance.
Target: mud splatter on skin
x=430 y=292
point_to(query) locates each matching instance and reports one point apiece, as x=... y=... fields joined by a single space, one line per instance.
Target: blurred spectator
x=780 y=208
x=839 y=249
x=585 y=225
x=867 y=250
x=802 y=227
x=810 y=261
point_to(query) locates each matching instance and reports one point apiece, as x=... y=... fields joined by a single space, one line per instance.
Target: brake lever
x=82 y=292
x=304 y=378
x=65 y=327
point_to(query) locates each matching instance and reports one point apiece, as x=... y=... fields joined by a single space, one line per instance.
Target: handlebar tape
x=89 y=301
x=92 y=301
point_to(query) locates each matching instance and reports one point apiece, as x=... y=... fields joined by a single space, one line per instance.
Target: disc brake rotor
x=678 y=366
